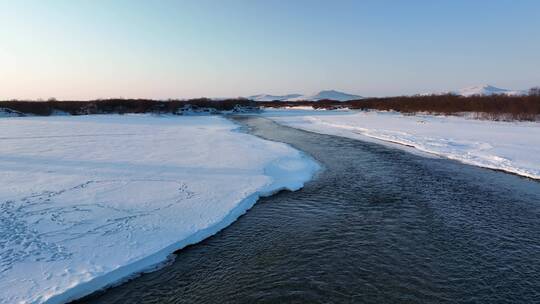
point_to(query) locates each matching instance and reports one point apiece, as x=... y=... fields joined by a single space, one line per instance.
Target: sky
x=77 y=49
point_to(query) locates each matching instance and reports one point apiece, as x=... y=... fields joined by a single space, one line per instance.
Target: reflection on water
x=378 y=225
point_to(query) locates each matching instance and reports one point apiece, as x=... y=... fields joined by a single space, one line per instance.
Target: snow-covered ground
x=510 y=146
x=9 y=113
x=89 y=200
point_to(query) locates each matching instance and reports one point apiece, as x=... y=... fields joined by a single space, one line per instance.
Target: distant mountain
x=267 y=97
x=487 y=90
x=333 y=95
x=327 y=94
x=482 y=90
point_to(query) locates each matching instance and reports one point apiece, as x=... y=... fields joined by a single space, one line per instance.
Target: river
x=377 y=225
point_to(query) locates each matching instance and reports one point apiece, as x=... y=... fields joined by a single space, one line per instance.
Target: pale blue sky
x=76 y=49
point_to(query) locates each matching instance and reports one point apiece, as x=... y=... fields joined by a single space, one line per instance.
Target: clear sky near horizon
x=75 y=49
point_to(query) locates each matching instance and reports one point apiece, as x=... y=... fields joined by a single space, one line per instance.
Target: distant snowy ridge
x=333 y=95
x=482 y=90
x=326 y=94
x=267 y=97
x=486 y=90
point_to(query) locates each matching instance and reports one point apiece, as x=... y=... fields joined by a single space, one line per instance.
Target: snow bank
x=86 y=201
x=509 y=146
x=5 y=112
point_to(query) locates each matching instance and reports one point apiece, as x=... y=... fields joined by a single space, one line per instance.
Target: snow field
x=509 y=146
x=86 y=201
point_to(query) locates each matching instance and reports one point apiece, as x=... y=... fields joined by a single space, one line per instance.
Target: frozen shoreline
x=154 y=260
x=513 y=147
x=97 y=199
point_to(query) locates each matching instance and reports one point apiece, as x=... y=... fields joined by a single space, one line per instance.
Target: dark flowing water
x=378 y=225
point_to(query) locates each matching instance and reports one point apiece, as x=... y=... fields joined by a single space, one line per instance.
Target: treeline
x=124 y=106
x=494 y=107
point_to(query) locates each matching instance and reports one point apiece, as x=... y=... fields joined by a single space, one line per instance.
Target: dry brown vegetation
x=495 y=107
x=122 y=106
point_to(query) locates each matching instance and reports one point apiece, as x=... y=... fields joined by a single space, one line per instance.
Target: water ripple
x=378 y=225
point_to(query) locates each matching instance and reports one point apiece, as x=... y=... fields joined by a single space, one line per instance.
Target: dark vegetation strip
x=124 y=106
x=494 y=107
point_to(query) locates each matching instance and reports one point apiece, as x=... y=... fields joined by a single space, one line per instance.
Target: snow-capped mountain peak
x=486 y=89
x=325 y=94
x=268 y=97
x=333 y=95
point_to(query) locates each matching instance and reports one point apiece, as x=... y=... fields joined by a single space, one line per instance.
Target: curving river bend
x=378 y=225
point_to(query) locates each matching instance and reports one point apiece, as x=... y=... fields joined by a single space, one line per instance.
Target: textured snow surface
x=510 y=146
x=86 y=201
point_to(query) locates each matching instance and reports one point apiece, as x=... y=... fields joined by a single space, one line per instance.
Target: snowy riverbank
x=86 y=201
x=509 y=146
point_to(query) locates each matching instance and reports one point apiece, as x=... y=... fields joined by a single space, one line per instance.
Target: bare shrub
x=121 y=106
x=494 y=107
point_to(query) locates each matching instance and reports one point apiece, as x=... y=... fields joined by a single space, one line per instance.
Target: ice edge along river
x=107 y=158
x=155 y=260
x=512 y=147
